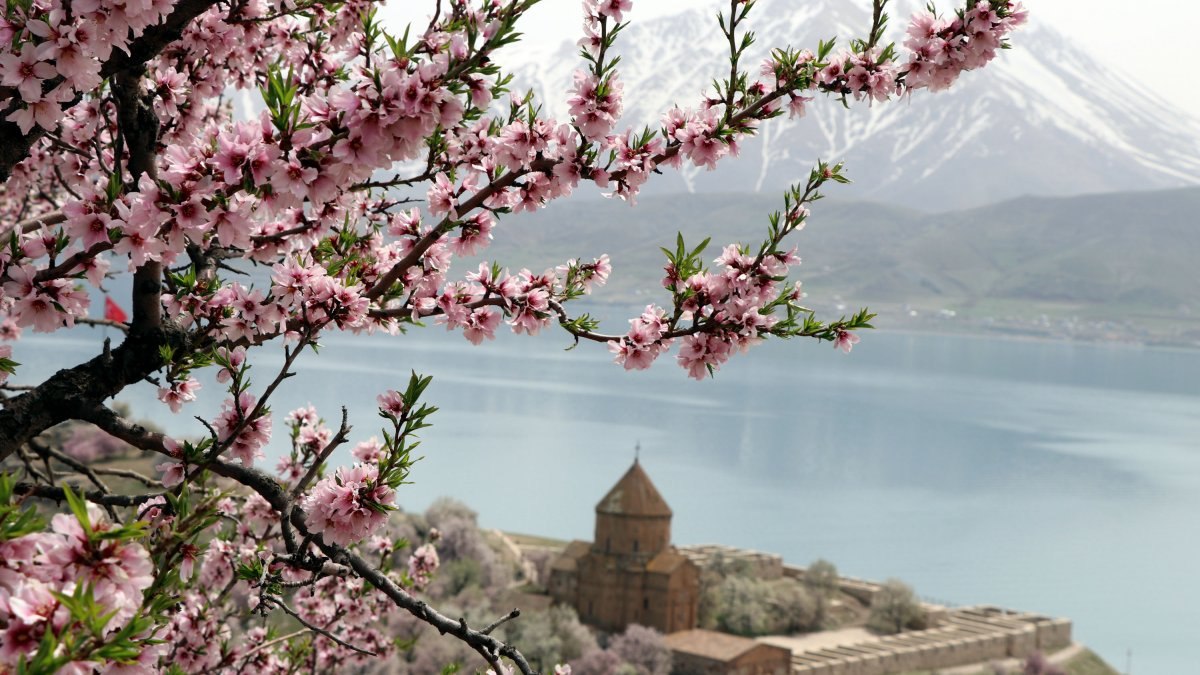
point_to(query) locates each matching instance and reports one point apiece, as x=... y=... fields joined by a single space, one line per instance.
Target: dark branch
x=14 y=145
x=281 y=501
x=57 y=494
x=70 y=392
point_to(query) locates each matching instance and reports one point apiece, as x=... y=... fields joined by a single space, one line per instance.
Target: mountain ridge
x=1044 y=118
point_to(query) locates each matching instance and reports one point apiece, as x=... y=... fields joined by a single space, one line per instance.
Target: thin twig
x=501 y=621
x=270 y=599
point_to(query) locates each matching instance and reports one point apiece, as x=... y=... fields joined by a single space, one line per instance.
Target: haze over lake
x=1053 y=477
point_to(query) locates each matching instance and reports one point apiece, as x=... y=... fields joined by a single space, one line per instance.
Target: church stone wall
x=631 y=535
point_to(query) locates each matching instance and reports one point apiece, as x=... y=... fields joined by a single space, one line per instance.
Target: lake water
x=1051 y=477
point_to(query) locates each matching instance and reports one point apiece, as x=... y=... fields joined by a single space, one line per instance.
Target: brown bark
x=14 y=145
x=71 y=392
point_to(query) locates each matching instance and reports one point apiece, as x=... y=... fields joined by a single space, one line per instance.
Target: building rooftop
x=569 y=558
x=634 y=495
x=665 y=562
x=711 y=644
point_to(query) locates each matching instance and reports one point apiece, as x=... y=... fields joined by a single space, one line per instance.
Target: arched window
x=635 y=546
x=608 y=544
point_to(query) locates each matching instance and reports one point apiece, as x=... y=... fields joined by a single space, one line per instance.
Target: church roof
x=666 y=562
x=568 y=560
x=634 y=495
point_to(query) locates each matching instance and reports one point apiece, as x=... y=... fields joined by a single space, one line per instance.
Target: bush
x=821 y=578
x=644 y=649
x=599 y=662
x=752 y=607
x=895 y=608
x=793 y=607
x=551 y=637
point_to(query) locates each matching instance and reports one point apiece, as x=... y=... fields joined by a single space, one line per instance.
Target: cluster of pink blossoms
x=422 y=564
x=35 y=566
x=180 y=392
x=694 y=131
x=942 y=49
x=60 y=47
x=473 y=306
x=863 y=74
x=44 y=305
x=356 y=610
x=730 y=300
x=249 y=434
x=350 y=505
x=595 y=113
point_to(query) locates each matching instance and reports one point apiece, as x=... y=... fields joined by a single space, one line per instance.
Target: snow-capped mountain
x=1045 y=118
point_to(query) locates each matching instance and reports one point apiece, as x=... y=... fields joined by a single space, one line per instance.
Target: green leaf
x=79 y=508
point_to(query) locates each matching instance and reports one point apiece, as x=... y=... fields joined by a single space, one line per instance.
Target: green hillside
x=1123 y=263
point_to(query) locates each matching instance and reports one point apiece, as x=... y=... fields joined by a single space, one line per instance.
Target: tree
x=895 y=607
x=120 y=156
x=744 y=605
x=821 y=578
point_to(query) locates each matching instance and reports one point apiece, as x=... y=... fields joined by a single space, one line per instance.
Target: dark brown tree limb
x=70 y=392
x=490 y=648
x=14 y=145
x=58 y=495
x=139 y=128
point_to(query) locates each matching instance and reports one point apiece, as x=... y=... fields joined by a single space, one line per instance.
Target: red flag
x=113 y=311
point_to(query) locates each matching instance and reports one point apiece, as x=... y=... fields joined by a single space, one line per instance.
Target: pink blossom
x=42 y=111
x=349 y=506
x=422 y=564
x=481 y=324
x=614 y=9
x=845 y=341
x=179 y=393
x=32 y=609
x=392 y=403
x=172 y=473
x=254 y=434
x=474 y=234
x=441 y=196
x=368 y=451
x=25 y=72
x=118 y=570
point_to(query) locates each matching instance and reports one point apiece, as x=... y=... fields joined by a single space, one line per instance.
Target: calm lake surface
x=1052 y=477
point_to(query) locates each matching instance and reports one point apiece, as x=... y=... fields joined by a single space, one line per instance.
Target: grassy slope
x=1089 y=663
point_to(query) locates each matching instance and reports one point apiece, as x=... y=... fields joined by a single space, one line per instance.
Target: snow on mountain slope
x=1044 y=118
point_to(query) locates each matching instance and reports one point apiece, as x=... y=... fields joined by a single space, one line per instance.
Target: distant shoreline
x=959 y=327
x=1017 y=337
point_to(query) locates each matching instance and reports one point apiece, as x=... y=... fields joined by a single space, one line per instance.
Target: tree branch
x=59 y=495
x=280 y=500
x=14 y=145
x=70 y=392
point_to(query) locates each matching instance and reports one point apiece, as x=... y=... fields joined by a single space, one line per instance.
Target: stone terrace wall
x=760 y=565
x=864 y=591
x=859 y=589
x=965 y=636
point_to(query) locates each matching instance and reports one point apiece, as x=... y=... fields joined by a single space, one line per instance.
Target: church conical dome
x=634 y=495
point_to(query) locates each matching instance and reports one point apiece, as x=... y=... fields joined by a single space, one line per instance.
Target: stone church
x=630 y=573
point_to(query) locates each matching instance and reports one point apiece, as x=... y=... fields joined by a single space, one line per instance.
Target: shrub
x=895 y=608
x=821 y=577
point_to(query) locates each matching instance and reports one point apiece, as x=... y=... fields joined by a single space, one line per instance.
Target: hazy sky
x=1149 y=39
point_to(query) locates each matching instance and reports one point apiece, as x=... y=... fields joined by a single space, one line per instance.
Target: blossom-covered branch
x=120 y=155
